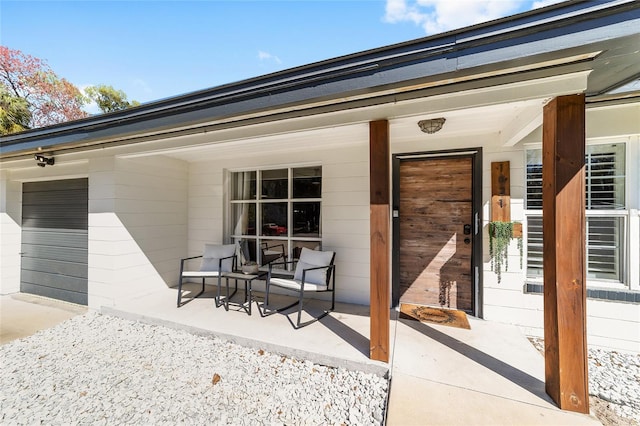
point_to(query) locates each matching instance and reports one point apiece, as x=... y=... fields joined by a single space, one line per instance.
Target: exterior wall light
x=44 y=161
x=432 y=125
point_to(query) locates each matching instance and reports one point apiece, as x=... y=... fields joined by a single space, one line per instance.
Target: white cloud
x=399 y=10
x=264 y=56
x=437 y=16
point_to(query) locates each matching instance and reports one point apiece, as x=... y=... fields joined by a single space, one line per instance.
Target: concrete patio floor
x=488 y=375
x=22 y=314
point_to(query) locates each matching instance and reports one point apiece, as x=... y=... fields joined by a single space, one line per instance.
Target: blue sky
x=157 y=49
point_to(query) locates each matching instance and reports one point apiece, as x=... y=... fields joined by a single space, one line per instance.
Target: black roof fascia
x=570 y=25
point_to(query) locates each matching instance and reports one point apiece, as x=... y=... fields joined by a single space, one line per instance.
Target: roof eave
x=377 y=70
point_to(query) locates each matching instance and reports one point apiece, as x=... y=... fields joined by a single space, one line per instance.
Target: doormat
x=450 y=317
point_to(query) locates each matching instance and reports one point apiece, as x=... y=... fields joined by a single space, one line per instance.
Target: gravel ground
x=98 y=369
x=614 y=385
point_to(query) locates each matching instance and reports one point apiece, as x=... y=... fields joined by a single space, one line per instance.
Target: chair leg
x=300 y=306
x=217 y=298
x=266 y=292
x=333 y=299
x=299 y=324
x=299 y=302
x=201 y=291
x=247 y=294
x=333 y=290
x=226 y=299
x=180 y=291
x=266 y=312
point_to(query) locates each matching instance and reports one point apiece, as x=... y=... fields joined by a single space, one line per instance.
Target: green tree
x=14 y=113
x=109 y=99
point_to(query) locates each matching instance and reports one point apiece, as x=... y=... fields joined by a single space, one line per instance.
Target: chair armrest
x=189 y=258
x=233 y=267
x=287 y=262
x=184 y=260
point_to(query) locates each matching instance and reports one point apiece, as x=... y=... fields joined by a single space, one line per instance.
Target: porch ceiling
x=483 y=120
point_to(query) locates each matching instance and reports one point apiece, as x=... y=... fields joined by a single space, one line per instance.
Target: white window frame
x=626 y=247
x=289 y=239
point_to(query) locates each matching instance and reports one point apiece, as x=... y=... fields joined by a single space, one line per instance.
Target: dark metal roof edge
x=332 y=68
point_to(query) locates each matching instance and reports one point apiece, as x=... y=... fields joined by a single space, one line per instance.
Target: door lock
x=467 y=229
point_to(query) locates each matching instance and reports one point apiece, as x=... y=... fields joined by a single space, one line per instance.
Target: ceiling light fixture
x=432 y=125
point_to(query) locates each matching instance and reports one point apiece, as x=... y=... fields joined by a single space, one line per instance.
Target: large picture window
x=606 y=215
x=278 y=211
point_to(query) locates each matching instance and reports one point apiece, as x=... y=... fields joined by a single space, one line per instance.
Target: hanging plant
x=520 y=250
x=500 y=235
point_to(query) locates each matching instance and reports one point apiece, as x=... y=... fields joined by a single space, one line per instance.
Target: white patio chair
x=315 y=272
x=216 y=260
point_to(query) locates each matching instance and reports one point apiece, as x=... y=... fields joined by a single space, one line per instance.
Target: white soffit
x=525 y=122
x=490 y=119
x=214 y=145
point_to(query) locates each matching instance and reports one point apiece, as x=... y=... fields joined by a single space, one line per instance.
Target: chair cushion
x=295 y=284
x=200 y=274
x=312 y=259
x=212 y=255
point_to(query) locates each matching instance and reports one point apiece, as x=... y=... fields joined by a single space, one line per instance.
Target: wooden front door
x=436 y=232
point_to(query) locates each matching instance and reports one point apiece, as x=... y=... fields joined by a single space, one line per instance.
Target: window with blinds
x=604 y=196
x=605 y=167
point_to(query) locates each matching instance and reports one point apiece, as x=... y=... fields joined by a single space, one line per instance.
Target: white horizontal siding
x=346 y=198
x=205 y=206
x=345 y=201
x=10 y=220
x=137 y=226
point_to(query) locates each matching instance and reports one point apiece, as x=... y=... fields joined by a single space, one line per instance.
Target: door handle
x=467 y=229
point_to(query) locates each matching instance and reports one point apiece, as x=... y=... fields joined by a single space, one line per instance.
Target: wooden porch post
x=563 y=216
x=380 y=239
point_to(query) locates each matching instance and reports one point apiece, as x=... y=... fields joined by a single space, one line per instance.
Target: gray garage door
x=55 y=240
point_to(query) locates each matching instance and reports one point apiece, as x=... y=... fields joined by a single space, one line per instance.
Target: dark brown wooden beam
x=500 y=191
x=501 y=195
x=563 y=183
x=380 y=239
